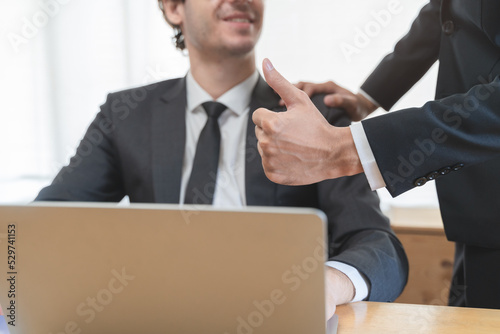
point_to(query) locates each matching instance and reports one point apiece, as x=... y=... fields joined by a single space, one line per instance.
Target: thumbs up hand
x=299 y=146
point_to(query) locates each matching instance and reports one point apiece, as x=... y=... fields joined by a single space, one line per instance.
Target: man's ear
x=174 y=11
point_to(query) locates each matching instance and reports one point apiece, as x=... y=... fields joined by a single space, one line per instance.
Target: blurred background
x=60 y=58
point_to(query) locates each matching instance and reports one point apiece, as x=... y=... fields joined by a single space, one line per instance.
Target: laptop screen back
x=96 y=268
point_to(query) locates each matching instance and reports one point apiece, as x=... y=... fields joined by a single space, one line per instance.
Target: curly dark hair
x=178 y=36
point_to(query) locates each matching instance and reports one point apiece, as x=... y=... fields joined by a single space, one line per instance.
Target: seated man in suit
x=192 y=140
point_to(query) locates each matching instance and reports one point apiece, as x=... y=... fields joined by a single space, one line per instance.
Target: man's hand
x=339 y=290
x=356 y=105
x=299 y=146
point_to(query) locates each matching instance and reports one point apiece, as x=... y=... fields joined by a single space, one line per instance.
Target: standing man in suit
x=454 y=139
x=151 y=144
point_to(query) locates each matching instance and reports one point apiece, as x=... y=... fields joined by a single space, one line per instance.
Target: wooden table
x=370 y=317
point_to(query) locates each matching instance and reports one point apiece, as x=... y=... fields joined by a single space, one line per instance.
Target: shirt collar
x=237 y=99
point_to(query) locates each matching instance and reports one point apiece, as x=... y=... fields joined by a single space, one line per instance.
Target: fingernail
x=269 y=66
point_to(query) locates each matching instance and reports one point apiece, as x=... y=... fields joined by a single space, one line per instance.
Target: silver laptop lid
x=97 y=268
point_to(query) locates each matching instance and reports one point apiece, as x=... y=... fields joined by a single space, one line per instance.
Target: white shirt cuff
x=359 y=282
x=366 y=156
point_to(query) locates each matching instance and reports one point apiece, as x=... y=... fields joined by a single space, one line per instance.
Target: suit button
x=420 y=182
x=444 y=171
x=448 y=28
x=457 y=167
x=433 y=176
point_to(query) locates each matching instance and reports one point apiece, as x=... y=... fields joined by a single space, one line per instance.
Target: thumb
x=288 y=92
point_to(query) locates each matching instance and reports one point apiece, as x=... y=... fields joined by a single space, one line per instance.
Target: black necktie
x=201 y=185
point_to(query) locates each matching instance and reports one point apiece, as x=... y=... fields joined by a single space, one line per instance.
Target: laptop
x=99 y=268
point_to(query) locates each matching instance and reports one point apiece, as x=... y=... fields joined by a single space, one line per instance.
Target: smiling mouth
x=239 y=20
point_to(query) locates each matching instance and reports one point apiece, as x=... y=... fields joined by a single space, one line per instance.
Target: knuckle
x=264 y=146
x=272 y=125
x=268 y=149
x=331 y=85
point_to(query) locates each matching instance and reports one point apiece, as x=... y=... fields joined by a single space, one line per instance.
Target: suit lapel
x=168 y=142
x=259 y=190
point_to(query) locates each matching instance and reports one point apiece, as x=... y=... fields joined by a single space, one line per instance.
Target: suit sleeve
x=442 y=136
x=93 y=173
x=412 y=57
x=359 y=234
x=417 y=145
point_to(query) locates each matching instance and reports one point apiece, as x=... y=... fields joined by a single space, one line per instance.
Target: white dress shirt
x=230 y=180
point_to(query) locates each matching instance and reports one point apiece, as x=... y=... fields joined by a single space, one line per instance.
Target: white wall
x=60 y=58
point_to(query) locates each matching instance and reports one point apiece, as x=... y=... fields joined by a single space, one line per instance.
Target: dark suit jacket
x=135 y=147
x=460 y=129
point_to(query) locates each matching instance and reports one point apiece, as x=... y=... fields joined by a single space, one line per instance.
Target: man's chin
x=241 y=49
